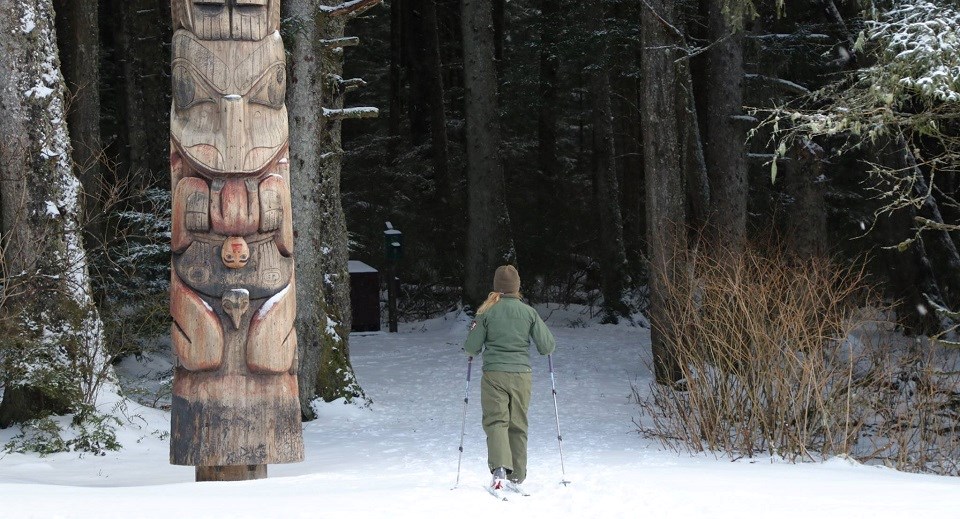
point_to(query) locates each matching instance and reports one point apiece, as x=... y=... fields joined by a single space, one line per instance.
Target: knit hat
x=506 y=280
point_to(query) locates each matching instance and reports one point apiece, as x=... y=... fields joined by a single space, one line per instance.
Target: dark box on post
x=364 y=297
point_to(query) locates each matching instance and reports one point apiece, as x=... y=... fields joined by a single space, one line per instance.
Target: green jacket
x=503 y=334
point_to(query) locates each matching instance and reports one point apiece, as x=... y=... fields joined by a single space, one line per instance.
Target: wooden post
x=233 y=292
x=393 y=249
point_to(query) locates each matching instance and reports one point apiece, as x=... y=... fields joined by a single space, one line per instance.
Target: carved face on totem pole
x=250 y=20
x=233 y=294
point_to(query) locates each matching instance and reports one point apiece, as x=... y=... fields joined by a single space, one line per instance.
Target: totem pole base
x=231 y=472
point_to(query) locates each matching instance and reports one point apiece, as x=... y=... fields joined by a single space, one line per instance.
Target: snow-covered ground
x=398 y=459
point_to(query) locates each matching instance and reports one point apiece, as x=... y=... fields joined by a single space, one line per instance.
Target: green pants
x=505 y=398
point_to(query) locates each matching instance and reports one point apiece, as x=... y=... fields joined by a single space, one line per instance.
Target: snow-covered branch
x=360 y=112
x=351 y=8
x=335 y=43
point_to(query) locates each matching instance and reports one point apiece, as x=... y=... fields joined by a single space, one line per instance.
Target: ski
x=496 y=492
x=515 y=487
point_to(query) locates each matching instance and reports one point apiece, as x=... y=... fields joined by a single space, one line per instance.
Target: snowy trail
x=398 y=459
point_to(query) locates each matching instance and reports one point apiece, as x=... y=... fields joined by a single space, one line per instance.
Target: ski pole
x=556 y=409
x=463 y=424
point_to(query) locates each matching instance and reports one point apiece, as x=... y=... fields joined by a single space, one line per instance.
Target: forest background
x=606 y=148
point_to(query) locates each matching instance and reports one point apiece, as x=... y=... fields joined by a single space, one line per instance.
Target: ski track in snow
x=398 y=459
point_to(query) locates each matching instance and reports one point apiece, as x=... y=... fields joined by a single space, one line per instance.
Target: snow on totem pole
x=232 y=291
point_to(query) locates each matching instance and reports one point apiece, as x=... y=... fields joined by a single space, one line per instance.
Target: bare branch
x=783 y=84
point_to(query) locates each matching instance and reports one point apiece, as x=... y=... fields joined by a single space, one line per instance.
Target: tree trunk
x=630 y=163
x=806 y=219
x=426 y=71
x=323 y=296
x=489 y=240
x=724 y=136
x=55 y=359
x=549 y=108
x=396 y=66
x=693 y=161
x=418 y=93
x=499 y=18
x=142 y=54
x=908 y=268
x=664 y=181
x=79 y=46
x=606 y=190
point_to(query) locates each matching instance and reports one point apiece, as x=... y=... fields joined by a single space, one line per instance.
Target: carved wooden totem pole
x=232 y=294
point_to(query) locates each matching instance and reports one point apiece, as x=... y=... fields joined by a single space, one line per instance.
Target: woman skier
x=502 y=330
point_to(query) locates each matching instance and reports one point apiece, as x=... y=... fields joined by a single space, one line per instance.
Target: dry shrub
x=761 y=345
x=912 y=405
x=788 y=357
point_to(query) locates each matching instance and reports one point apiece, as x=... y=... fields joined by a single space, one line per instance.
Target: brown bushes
x=776 y=357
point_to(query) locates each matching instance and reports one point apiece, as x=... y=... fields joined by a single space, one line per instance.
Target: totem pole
x=232 y=290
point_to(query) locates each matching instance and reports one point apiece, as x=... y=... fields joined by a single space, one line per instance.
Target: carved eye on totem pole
x=228 y=115
x=271 y=88
x=235 y=252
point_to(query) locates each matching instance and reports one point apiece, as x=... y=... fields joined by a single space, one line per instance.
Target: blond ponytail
x=492 y=299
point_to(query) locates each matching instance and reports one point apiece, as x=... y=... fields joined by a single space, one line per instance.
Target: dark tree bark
x=692 y=161
x=52 y=356
x=806 y=219
x=548 y=86
x=142 y=56
x=425 y=70
x=396 y=66
x=909 y=272
x=79 y=46
x=499 y=19
x=629 y=146
x=489 y=239
x=664 y=180
x=939 y=245
x=606 y=190
x=724 y=136
x=418 y=94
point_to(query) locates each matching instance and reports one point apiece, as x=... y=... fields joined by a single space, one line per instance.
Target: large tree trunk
x=79 y=45
x=425 y=70
x=912 y=278
x=724 y=136
x=806 y=218
x=665 y=189
x=323 y=295
x=56 y=358
x=489 y=240
x=549 y=108
x=499 y=15
x=693 y=162
x=142 y=56
x=630 y=162
x=418 y=100
x=613 y=261
x=396 y=67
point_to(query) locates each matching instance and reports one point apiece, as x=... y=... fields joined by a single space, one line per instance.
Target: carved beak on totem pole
x=234 y=138
x=236 y=302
